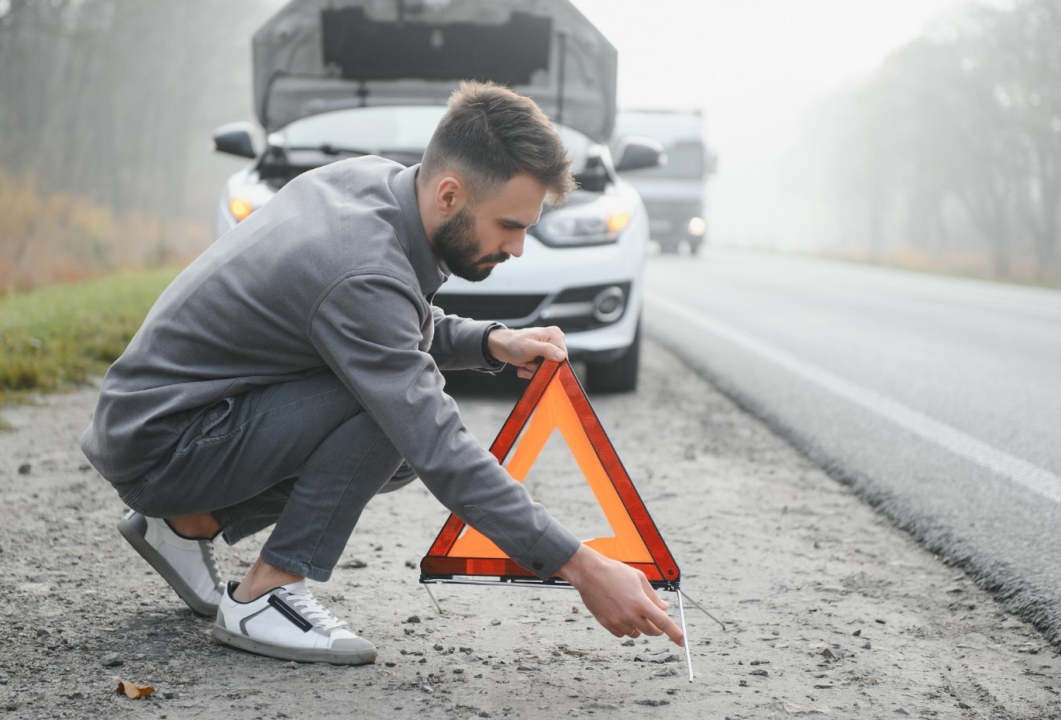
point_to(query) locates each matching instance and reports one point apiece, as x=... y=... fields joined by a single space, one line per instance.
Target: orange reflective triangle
x=555 y=400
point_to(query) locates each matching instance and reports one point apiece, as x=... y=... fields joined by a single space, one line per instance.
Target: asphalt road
x=938 y=399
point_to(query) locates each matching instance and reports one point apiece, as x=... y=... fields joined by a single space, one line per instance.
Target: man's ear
x=450 y=195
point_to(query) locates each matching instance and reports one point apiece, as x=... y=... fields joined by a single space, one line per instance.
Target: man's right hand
x=619 y=596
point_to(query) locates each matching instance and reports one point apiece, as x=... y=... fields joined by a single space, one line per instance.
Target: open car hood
x=316 y=56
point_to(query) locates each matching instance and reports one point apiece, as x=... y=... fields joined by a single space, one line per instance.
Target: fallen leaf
x=133 y=690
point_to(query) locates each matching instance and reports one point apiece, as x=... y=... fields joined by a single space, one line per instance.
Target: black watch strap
x=492 y=362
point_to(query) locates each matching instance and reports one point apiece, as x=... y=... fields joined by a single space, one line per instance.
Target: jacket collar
x=430 y=271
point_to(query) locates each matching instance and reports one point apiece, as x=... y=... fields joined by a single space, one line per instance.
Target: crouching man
x=291 y=373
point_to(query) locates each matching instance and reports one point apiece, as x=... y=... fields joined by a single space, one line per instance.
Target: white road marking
x=1022 y=472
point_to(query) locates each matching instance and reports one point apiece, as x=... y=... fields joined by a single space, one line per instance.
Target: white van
x=675 y=193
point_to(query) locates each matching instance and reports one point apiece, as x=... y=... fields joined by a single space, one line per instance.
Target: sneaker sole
x=163 y=568
x=335 y=657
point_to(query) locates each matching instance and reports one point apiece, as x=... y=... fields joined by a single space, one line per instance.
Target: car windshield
x=399 y=132
x=685 y=161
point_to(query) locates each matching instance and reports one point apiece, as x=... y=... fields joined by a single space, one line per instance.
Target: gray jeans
x=302 y=454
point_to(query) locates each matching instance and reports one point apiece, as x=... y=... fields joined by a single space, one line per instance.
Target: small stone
x=171 y=695
x=291 y=665
x=423 y=660
x=832 y=654
x=574 y=609
x=410 y=564
x=495 y=622
x=666 y=672
x=41 y=632
x=652 y=703
x=628 y=643
x=964 y=706
x=413 y=619
x=858 y=632
x=390 y=664
x=427 y=688
x=881 y=621
x=899 y=711
x=84 y=467
x=743 y=683
x=527 y=668
x=760 y=673
x=601 y=706
x=24 y=469
x=465 y=650
x=354 y=564
x=458 y=671
x=439 y=647
x=664 y=656
x=867 y=646
x=483 y=713
x=111 y=660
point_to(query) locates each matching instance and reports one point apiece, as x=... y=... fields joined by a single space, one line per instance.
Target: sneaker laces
x=311 y=609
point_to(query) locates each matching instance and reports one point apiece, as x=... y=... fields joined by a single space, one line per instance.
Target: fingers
x=663 y=622
x=547 y=350
x=652 y=594
x=555 y=336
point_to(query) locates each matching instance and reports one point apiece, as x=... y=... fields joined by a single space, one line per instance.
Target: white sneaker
x=187 y=564
x=288 y=623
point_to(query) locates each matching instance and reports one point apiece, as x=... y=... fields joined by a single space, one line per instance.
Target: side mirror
x=637 y=152
x=235 y=139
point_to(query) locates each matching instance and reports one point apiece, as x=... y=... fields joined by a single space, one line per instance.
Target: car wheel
x=619 y=375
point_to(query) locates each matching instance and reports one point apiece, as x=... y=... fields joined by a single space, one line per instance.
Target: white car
x=340 y=78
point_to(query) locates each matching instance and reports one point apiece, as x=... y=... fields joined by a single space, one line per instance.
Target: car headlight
x=594 y=223
x=247 y=197
x=697 y=226
x=240 y=208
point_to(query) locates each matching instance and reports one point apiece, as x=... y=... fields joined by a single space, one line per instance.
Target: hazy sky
x=754 y=67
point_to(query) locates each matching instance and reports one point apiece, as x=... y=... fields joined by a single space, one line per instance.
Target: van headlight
x=594 y=223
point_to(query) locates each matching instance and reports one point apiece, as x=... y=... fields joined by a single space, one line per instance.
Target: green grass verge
x=55 y=337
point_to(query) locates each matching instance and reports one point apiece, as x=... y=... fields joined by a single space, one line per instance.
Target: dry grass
x=58 y=336
x=48 y=238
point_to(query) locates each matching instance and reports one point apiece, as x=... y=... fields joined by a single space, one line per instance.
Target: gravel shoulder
x=828 y=608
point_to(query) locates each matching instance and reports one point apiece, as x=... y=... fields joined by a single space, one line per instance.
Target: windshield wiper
x=328 y=149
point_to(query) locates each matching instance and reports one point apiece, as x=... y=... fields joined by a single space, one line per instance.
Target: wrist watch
x=492 y=363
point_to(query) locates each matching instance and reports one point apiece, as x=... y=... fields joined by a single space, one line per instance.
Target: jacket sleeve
x=367 y=329
x=459 y=342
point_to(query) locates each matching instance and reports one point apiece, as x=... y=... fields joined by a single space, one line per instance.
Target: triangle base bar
x=441 y=569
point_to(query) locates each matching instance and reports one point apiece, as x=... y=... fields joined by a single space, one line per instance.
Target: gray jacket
x=336 y=270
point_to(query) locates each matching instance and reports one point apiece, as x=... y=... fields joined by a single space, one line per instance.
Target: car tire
x=619 y=375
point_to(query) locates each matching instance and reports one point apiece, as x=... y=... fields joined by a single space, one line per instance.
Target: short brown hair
x=492 y=134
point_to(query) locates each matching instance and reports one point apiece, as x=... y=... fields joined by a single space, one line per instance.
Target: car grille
x=489 y=307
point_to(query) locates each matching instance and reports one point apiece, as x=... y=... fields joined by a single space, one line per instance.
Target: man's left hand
x=527 y=347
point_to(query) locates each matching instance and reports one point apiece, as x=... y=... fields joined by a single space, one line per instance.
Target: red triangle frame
x=662 y=572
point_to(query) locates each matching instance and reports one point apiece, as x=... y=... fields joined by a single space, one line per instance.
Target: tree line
x=951 y=150
x=106 y=114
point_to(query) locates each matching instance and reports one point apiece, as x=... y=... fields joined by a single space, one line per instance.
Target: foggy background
x=914 y=132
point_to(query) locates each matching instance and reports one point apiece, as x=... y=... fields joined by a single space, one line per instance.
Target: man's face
x=480 y=235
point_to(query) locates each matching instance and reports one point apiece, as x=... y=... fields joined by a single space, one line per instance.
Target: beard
x=456 y=245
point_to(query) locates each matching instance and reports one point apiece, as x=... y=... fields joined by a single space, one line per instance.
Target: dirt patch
x=828 y=607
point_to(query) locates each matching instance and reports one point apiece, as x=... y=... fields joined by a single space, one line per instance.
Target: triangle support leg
x=432 y=596
x=701 y=607
x=685 y=635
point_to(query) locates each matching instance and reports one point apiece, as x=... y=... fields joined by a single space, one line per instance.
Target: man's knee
x=400 y=479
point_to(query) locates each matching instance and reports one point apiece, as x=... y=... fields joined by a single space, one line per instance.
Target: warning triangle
x=554 y=400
